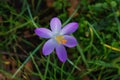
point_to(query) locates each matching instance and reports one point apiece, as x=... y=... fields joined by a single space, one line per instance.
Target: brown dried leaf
x=27 y=34
x=49 y=3
x=74 y=4
x=9 y=64
x=28 y=66
x=2 y=77
x=1 y=19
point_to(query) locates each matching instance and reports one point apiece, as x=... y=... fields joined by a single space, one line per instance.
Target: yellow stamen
x=60 y=39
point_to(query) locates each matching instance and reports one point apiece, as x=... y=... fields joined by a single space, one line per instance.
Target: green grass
x=96 y=57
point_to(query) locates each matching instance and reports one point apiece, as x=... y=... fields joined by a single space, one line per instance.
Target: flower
x=58 y=38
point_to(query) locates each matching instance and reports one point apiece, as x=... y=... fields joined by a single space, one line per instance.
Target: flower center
x=60 y=39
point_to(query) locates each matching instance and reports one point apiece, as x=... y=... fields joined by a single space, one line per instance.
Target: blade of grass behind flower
x=39 y=73
x=47 y=66
x=31 y=16
x=76 y=62
x=72 y=15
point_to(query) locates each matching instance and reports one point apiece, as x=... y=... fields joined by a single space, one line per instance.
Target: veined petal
x=69 y=28
x=55 y=24
x=61 y=53
x=49 y=46
x=43 y=32
x=70 y=41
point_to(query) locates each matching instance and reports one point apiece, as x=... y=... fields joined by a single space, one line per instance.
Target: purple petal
x=49 y=47
x=69 y=28
x=61 y=53
x=55 y=24
x=43 y=32
x=71 y=41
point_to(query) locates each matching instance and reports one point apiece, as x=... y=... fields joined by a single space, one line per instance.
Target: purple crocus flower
x=58 y=38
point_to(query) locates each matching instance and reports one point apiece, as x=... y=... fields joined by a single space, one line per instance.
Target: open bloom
x=58 y=38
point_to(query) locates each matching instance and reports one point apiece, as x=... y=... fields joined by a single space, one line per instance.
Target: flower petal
x=61 y=53
x=49 y=46
x=69 y=28
x=55 y=24
x=43 y=32
x=71 y=41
